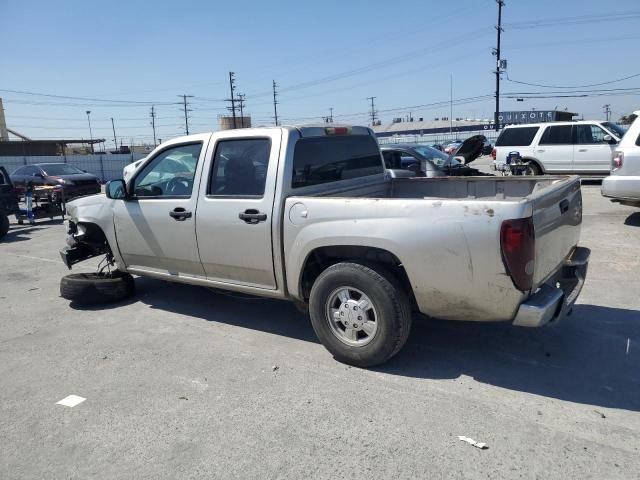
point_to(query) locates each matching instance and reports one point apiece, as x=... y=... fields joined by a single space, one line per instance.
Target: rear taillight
x=337 y=130
x=517 y=242
x=617 y=160
x=494 y=153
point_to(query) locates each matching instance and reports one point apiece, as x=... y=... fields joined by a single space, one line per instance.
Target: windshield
x=437 y=157
x=615 y=129
x=60 y=169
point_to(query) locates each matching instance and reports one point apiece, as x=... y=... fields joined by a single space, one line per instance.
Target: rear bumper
x=622 y=187
x=554 y=299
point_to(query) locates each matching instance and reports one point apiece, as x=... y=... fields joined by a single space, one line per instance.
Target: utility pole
x=153 y=124
x=275 y=103
x=115 y=142
x=607 y=111
x=241 y=102
x=186 y=115
x=451 y=103
x=232 y=87
x=497 y=54
x=373 y=113
x=330 y=114
x=90 y=133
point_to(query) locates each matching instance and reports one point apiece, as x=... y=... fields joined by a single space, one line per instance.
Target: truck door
x=592 y=154
x=234 y=220
x=555 y=149
x=155 y=227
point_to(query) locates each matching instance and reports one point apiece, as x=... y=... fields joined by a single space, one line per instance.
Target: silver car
x=623 y=185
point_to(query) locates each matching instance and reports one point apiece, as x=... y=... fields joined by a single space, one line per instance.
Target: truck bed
x=446 y=232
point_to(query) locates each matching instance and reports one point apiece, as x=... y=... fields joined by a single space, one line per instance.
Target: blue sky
x=322 y=54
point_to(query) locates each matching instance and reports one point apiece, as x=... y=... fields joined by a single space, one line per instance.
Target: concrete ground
x=180 y=382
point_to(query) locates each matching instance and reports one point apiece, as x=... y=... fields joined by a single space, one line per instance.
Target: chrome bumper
x=554 y=299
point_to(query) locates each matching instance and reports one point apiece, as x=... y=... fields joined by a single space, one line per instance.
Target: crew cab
x=311 y=215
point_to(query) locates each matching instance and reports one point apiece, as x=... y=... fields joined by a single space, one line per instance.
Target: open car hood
x=471 y=148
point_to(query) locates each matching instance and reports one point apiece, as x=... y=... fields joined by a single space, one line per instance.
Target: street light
x=90 y=133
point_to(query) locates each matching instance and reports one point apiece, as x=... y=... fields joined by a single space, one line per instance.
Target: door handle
x=180 y=214
x=582 y=149
x=252 y=216
x=540 y=150
x=564 y=206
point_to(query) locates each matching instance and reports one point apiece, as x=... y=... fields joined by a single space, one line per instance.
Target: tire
x=390 y=305
x=96 y=288
x=534 y=169
x=4 y=224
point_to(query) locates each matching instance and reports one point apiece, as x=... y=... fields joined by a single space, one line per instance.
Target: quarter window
x=557 y=135
x=240 y=167
x=170 y=173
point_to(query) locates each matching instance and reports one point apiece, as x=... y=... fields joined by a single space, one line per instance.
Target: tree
x=628 y=119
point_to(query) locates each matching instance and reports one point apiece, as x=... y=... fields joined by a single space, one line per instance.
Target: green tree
x=628 y=119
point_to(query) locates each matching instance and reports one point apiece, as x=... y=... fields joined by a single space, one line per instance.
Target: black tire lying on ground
x=4 y=224
x=96 y=288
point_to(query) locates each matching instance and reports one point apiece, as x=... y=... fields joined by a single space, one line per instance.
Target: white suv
x=623 y=185
x=561 y=147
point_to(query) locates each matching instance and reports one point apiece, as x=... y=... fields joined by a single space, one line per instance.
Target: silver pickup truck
x=310 y=214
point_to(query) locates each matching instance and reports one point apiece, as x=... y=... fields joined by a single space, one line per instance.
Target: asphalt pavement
x=185 y=382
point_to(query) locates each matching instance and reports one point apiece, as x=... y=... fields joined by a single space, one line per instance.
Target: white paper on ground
x=71 y=401
x=471 y=441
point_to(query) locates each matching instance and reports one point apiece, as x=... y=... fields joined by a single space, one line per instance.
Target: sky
x=329 y=54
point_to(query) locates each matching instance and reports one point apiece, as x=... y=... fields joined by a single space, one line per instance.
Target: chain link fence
x=106 y=167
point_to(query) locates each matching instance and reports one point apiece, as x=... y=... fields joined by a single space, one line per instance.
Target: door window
x=590 y=134
x=516 y=137
x=170 y=173
x=240 y=167
x=557 y=135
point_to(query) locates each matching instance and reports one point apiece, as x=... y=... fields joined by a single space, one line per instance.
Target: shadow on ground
x=20 y=233
x=633 y=220
x=584 y=359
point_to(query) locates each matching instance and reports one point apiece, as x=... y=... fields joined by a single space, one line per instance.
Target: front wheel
x=360 y=314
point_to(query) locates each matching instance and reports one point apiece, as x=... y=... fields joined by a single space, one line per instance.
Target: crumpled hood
x=96 y=200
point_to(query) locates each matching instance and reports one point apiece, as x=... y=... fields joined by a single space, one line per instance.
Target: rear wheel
x=533 y=169
x=360 y=314
x=97 y=288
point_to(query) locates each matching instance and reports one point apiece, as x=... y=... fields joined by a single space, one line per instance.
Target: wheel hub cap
x=351 y=316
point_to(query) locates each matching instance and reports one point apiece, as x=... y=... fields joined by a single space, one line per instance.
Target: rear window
x=327 y=159
x=516 y=137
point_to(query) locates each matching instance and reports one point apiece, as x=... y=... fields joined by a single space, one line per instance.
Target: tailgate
x=557 y=216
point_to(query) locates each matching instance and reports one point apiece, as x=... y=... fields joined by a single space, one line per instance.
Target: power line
x=575 y=86
x=66 y=97
x=575 y=20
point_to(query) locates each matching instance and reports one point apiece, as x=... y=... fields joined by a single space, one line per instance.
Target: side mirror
x=610 y=140
x=116 y=189
x=36 y=174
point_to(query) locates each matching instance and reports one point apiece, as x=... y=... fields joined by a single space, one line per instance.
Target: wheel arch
x=320 y=258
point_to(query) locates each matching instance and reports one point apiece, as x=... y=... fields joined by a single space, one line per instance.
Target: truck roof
x=541 y=124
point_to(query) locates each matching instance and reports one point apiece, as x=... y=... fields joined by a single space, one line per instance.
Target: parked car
x=74 y=182
x=583 y=147
x=437 y=146
x=451 y=147
x=323 y=225
x=414 y=159
x=623 y=185
x=8 y=201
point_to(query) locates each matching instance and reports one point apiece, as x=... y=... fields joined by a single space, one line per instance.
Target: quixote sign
x=528 y=116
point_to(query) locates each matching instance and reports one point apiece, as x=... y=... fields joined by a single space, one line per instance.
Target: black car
x=74 y=182
x=8 y=201
x=414 y=159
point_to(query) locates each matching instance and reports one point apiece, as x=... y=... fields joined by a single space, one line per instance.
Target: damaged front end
x=84 y=241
